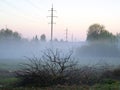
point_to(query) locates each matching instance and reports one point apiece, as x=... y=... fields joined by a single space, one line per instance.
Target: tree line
x=98 y=33
x=9 y=35
x=95 y=33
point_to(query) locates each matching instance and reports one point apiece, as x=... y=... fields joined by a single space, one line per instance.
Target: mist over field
x=84 y=52
x=41 y=63
x=18 y=50
x=59 y=45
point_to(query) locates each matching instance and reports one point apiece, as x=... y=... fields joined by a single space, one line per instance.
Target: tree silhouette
x=8 y=35
x=97 y=32
x=43 y=37
x=35 y=39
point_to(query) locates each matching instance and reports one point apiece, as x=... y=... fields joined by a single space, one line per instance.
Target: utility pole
x=66 y=34
x=72 y=37
x=52 y=21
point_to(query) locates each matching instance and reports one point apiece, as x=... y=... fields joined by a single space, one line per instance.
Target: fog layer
x=84 y=52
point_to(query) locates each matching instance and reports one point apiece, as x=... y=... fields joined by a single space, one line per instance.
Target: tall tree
x=35 y=39
x=8 y=35
x=97 y=32
x=43 y=37
x=55 y=40
x=118 y=35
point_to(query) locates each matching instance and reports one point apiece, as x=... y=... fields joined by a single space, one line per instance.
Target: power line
x=23 y=15
x=32 y=4
x=52 y=22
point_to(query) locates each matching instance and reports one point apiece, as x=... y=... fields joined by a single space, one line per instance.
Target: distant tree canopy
x=35 y=39
x=8 y=35
x=97 y=32
x=118 y=36
x=104 y=43
x=43 y=37
x=55 y=40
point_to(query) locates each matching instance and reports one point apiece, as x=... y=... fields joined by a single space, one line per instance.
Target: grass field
x=7 y=82
x=83 y=87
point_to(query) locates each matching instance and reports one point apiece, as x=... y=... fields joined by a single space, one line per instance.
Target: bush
x=56 y=68
x=51 y=69
x=113 y=74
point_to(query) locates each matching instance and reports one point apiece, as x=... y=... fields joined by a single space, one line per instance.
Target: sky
x=29 y=17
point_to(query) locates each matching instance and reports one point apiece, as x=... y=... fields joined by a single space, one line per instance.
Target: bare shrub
x=112 y=74
x=57 y=68
x=52 y=68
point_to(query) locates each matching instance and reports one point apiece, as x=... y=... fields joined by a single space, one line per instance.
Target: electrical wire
x=32 y=4
x=21 y=14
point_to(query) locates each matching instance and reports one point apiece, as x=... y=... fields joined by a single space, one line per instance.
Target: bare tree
x=52 y=68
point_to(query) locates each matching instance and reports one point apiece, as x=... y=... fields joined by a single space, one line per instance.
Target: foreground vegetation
x=59 y=72
x=110 y=81
x=114 y=86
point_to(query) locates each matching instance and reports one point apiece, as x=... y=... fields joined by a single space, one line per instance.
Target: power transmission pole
x=66 y=34
x=52 y=22
x=72 y=37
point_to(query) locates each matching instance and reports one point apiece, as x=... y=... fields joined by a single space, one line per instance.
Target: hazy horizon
x=29 y=17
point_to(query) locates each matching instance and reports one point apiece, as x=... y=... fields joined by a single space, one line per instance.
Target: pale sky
x=29 y=17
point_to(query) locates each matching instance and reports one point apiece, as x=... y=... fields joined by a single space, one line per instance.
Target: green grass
x=107 y=87
x=83 y=87
x=50 y=88
x=9 y=64
x=8 y=82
